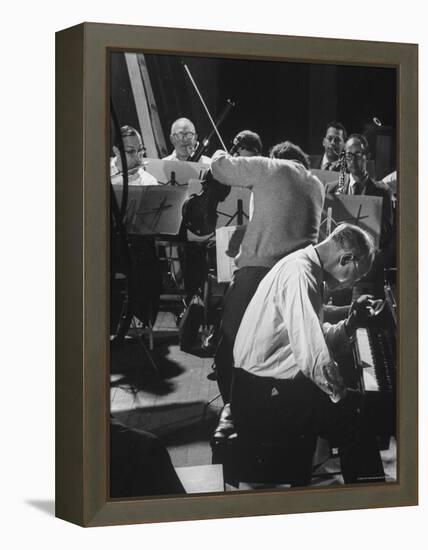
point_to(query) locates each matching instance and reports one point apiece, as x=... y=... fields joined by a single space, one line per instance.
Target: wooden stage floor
x=174 y=399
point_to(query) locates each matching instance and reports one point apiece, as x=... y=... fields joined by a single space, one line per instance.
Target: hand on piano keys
x=362 y=311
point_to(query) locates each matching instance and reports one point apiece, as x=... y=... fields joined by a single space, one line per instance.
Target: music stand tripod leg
x=150 y=358
x=147 y=352
x=239 y=214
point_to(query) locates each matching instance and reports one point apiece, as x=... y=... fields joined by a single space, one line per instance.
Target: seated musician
x=184 y=140
x=134 y=151
x=142 y=268
x=358 y=182
x=333 y=143
x=247 y=143
x=285 y=379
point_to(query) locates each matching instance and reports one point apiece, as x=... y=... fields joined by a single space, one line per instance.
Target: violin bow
x=186 y=68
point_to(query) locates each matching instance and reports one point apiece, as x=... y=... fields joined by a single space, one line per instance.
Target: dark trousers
x=238 y=296
x=140 y=464
x=194 y=267
x=270 y=410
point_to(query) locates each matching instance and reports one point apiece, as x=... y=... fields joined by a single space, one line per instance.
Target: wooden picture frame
x=82 y=252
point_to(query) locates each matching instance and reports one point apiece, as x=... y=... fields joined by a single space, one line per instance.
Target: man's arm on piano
x=334 y=314
x=336 y=337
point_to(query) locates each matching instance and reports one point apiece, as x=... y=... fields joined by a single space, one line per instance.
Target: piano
x=375 y=355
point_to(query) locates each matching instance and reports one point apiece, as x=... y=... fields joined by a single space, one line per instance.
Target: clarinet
x=342 y=173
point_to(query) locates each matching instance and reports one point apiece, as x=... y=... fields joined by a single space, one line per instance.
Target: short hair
x=338 y=126
x=362 y=139
x=249 y=140
x=126 y=132
x=182 y=119
x=289 y=151
x=129 y=131
x=353 y=239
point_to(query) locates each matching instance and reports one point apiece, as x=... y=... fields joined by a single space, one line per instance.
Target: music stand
x=239 y=214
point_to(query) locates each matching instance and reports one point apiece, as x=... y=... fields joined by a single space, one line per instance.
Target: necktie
x=358 y=187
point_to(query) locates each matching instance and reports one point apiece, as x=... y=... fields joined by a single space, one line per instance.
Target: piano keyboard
x=374 y=374
x=367 y=361
x=373 y=361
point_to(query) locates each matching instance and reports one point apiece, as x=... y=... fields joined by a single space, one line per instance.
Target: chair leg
x=147 y=351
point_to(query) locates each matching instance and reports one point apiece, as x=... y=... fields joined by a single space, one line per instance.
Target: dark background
x=278 y=100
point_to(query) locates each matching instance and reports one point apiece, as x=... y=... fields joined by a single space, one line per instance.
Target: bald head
x=347 y=255
x=182 y=125
x=183 y=137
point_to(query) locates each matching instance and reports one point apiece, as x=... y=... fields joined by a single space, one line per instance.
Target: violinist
x=184 y=140
x=288 y=203
x=192 y=254
x=247 y=144
x=134 y=151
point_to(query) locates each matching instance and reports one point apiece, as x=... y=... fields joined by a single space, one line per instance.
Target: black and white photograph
x=213 y=277
x=253 y=274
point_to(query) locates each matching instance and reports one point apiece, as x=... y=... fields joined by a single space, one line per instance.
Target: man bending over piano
x=286 y=380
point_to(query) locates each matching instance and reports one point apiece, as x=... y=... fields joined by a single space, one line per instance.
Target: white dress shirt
x=352 y=182
x=351 y=185
x=281 y=333
x=325 y=162
x=137 y=177
x=173 y=156
x=328 y=164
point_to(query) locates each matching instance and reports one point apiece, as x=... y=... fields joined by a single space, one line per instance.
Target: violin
x=199 y=211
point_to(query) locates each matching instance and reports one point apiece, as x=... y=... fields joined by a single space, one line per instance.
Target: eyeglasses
x=358 y=155
x=132 y=151
x=184 y=135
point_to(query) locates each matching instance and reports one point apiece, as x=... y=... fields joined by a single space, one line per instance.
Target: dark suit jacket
x=375 y=189
x=315 y=161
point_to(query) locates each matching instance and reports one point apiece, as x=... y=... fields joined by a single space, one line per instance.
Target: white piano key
x=367 y=361
x=364 y=348
x=369 y=378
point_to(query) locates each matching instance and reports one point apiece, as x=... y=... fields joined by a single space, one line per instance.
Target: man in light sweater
x=288 y=203
x=286 y=381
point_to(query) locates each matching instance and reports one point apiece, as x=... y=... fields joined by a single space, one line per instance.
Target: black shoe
x=225 y=427
x=209 y=345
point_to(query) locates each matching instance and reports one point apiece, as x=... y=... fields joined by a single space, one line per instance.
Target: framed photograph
x=236 y=274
